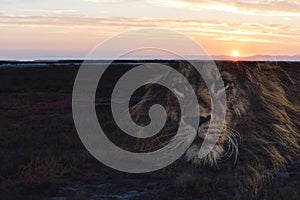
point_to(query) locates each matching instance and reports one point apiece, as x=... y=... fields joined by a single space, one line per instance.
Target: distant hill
x=260 y=58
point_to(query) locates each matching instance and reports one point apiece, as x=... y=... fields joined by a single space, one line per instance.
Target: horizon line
x=276 y=58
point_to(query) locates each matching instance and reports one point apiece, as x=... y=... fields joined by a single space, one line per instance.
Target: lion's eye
x=222 y=86
x=227 y=84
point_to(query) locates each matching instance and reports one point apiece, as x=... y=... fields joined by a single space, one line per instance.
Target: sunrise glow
x=235 y=54
x=52 y=28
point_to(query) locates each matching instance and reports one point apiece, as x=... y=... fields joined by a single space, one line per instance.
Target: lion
x=261 y=133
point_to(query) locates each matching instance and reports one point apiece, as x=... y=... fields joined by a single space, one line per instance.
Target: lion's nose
x=204 y=119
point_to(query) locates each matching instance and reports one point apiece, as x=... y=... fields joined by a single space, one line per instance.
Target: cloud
x=252 y=7
x=49 y=11
x=197 y=28
x=248 y=7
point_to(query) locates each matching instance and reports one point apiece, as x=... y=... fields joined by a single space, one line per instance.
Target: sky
x=72 y=28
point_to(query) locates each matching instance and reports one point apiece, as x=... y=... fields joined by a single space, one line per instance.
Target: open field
x=42 y=156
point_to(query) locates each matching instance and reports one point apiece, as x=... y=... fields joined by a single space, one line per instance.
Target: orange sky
x=71 y=28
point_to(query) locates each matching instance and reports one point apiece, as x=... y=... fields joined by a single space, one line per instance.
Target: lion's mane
x=269 y=129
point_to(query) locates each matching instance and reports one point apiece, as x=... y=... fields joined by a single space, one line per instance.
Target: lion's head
x=261 y=132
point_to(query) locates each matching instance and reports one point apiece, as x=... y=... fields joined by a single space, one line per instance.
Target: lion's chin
x=192 y=155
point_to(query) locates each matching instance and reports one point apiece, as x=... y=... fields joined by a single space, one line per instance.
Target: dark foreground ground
x=42 y=157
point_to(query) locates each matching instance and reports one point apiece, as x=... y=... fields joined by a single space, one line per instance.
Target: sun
x=235 y=53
